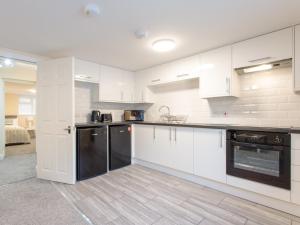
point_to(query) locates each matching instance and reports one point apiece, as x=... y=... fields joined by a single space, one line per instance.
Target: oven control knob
x=277 y=140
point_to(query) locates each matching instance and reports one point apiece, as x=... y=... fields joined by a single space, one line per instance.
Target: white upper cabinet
x=186 y=68
x=116 y=85
x=86 y=71
x=263 y=49
x=210 y=154
x=143 y=93
x=297 y=59
x=183 y=69
x=217 y=78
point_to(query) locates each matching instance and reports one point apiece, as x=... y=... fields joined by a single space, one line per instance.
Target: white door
x=162 y=145
x=55 y=114
x=210 y=154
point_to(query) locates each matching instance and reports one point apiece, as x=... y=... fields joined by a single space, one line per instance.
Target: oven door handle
x=258 y=146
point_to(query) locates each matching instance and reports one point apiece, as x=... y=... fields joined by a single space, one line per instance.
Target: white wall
x=2 y=120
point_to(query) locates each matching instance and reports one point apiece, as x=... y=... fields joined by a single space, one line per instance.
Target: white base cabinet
x=210 y=154
x=165 y=145
x=295 y=168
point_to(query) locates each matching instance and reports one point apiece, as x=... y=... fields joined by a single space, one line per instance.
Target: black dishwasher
x=119 y=146
x=91 y=152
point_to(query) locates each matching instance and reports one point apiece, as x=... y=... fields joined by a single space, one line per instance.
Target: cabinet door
x=143 y=94
x=263 y=49
x=162 y=145
x=144 y=138
x=128 y=87
x=210 y=154
x=185 y=68
x=297 y=59
x=86 y=71
x=182 y=149
x=111 y=83
x=216 y=73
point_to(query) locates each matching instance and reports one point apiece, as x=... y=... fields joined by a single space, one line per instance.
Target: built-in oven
x=263 y=157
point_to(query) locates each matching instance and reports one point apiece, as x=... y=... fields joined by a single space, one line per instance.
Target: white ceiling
x=56 y=28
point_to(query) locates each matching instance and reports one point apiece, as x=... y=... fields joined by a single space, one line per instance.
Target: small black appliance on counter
x=95 y=116
x=106 y=118
x=134 y=115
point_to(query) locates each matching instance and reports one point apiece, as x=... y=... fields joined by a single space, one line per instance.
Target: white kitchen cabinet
x=263 y=49
x=144 y=143
x=166 y=146
x=295 y=168
x=186 y=68
x=182 y=149
x=297 y=59
x=182 y=69
x=86 y=71
x=116 y=85
x=217 y=79
x=210 y=154
x=128 y=87
x=143 y=94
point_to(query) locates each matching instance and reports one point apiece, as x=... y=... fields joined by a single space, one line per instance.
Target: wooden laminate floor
x=141 y=196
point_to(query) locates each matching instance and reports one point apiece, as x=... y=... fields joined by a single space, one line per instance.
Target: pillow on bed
x=9 y=121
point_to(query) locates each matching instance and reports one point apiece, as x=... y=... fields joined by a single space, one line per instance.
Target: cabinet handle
x=260 y=59
x=95 y=134
x=175 y=134
x=170 y=136
x=228 y=85
x=221 y=139
x=156 y=80
x=182 y=75
x=153 y=132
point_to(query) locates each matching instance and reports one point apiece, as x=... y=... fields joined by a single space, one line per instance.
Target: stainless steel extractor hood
x=264 y=67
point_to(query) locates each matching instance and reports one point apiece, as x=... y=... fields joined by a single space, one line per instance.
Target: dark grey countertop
x=198 y=125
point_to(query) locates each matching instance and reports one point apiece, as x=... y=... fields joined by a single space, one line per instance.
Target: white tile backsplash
x=267 y=99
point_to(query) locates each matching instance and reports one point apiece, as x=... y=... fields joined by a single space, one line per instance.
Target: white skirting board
x=241 y=193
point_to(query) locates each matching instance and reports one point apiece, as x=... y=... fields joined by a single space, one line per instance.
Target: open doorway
x=19 y=158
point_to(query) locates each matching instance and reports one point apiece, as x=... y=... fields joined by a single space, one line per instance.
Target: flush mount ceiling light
x=163 y=45
x=92 y=10
x=258 y=68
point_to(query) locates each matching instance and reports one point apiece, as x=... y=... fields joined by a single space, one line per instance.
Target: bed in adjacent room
x=15 y=134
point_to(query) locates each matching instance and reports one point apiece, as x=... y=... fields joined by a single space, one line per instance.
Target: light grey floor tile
x=253 y=213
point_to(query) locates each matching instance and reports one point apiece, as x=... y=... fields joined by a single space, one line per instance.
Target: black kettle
x=95 y=117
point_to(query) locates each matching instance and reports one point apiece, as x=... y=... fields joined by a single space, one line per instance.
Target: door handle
x=228 y=85
x=68 y=129
x=221 y=139
x=175 y=136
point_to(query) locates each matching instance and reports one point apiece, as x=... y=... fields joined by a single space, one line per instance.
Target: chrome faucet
x=165 y=106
